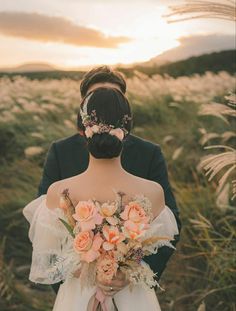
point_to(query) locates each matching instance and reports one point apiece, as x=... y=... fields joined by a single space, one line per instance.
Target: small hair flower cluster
x=94 y=126
x=103 y=128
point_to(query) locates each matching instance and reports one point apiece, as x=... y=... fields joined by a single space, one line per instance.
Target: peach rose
x=113 y=236
x=83 y=241
x=88 y=245
x=107 y=210
x=134 y=230
x=106 y=267
x=87 y=214
x=134 y=212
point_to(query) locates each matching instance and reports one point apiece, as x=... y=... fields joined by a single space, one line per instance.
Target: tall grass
x=166 y=110
x=225 y=161
x=221 y=9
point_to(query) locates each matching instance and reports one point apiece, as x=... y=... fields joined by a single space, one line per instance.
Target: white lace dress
x=51 y=245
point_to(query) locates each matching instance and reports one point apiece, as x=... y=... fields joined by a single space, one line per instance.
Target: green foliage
x=10 y=145
x=214 y=62
x=68 y=227
x=208 y=249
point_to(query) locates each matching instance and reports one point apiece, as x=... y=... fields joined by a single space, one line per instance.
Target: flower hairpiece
x=93 y=126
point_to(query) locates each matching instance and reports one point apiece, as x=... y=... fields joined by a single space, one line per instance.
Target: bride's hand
x=114 y=286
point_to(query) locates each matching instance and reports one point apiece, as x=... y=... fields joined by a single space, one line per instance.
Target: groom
x=68 y=157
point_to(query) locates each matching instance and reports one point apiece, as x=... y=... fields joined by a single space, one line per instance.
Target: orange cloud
x=35 y=26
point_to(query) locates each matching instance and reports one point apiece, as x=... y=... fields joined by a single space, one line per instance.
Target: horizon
x=38 y=67
x=63 y=36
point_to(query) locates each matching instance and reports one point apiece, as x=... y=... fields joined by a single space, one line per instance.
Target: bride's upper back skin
x=106 y=116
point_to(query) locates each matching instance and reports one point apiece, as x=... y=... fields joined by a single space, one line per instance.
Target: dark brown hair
x=100 y=75
x=110 y=106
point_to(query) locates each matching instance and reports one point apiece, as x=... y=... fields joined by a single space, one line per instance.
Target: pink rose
x=118 y=132
x=113 y=236
x=106 y=267
x=87 y=214
x=134 y=212
x=88 y=245
x=88 y=132
x=134 y=230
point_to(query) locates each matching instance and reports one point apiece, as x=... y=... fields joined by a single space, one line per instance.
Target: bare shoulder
x=55 y=190
x=155 y=193
x=53 y=194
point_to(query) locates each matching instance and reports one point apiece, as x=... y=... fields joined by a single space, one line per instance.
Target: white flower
x=95 y=128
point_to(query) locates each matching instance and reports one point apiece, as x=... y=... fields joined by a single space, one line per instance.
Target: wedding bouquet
x=112 y=236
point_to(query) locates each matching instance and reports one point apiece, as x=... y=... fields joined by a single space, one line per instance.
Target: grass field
x=166 y=111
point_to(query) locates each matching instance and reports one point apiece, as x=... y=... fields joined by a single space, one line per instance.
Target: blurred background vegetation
x=182 y=113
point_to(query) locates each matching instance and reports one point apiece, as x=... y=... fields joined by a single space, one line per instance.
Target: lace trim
x=54 y=265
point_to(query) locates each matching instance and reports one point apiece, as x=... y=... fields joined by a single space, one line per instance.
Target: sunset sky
x=75 y=33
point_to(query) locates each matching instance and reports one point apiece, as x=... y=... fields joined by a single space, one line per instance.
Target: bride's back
x=106 y=117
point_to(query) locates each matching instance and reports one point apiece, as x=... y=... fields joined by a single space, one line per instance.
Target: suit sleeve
x=158 y=172
x=51 y=170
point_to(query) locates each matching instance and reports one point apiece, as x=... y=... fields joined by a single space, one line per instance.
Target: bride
x=106 y=117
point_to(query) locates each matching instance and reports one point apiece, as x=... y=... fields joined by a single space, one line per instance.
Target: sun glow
x=150 y=36
x=141 y=21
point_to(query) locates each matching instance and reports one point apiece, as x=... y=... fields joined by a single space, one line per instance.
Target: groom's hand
x=115 y=285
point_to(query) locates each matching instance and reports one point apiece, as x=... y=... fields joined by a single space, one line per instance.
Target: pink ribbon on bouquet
x=97 y=301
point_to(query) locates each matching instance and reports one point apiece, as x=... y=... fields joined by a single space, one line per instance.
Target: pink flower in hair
x=118 y=132
x=89 y=132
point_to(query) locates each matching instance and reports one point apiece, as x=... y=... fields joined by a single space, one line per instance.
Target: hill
x=215 y=62
x=29 y=67
x=195 y=45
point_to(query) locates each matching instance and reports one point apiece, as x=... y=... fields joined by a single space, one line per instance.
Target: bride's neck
x=104 y=166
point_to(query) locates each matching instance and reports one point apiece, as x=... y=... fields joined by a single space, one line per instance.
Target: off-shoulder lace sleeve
x=51 y=243
x=163 y=226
